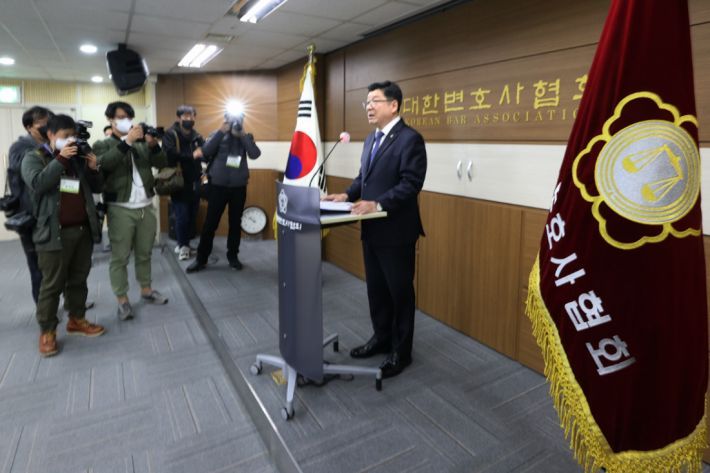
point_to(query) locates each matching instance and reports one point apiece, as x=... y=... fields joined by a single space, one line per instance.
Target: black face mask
x=188 y=124
x=43 y=132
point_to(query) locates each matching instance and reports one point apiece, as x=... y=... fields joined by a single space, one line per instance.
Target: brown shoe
x=48 y=344
x=84 y=327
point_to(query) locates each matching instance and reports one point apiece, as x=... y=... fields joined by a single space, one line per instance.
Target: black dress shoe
x=371 y=348
x=235 y=264
x=195 y=266
x=394 y=364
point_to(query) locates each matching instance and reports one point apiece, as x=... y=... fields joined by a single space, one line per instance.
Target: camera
x=82 y=135
x=237 y=122
x=155 y=132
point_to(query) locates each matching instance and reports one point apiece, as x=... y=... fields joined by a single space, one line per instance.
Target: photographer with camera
x=183 y=146
x=226 y=150
x=61 y=178
x=126 y=164
x=35 y=122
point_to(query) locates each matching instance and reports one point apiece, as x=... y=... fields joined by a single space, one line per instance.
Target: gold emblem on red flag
x=648 y=173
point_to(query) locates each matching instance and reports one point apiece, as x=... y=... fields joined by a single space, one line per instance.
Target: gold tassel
x=587 y=442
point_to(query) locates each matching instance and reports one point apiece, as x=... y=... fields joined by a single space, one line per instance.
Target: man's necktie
x=378 y=137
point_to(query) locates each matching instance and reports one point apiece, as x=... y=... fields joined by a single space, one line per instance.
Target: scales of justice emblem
x=647 y=173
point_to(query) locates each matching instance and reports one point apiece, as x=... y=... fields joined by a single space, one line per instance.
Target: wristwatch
x=379 y=207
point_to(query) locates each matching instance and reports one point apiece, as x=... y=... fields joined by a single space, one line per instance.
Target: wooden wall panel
x=700 y=36
x=699 y=11
x=468 y=267
x=334 y=76
x=210 y=93
x=342 y=246
x=481 y=32
x=289 y=93
x=510 y=116
x=168 y=97
x=260 y=192
x=528 y=352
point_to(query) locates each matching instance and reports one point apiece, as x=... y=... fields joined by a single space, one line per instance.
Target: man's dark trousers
x=389 y=272
x=219 y=197
x=31 y=254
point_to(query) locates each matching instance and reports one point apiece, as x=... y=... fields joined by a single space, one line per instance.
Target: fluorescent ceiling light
x=97 y=79
x=7 y=61
x=88 y=48
x=199 y=55
x=255 y=10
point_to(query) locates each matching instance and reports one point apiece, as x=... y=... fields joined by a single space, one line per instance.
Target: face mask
x=124 y=125
x=188 y=124
x=60 y=143
x=43 y=132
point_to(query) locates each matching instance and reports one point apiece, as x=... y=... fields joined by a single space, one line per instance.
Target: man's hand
x=91 y=161
x=335 y=197
x=135 y=133
x=197 y=154
x=364 y=207
x=226 y=126
x=151 y=140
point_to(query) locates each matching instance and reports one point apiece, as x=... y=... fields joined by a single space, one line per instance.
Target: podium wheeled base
x=290 y=373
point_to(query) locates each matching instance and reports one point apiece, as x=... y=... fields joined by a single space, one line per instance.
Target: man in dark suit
x=392 y=170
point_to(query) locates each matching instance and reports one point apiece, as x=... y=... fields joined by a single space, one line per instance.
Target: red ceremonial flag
x=617 y=294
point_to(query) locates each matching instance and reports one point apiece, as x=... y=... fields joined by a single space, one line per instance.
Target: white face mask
x=124 y=125
x=60 y=143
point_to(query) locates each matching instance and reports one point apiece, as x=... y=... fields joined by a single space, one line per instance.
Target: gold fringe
x=589 y=445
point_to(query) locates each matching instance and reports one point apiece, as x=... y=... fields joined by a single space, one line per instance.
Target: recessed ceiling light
x=97 y=79
x=7 y=61
x=88 y=48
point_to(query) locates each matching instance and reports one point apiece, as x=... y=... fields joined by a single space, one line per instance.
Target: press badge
x=69 y=185
x=234 y=161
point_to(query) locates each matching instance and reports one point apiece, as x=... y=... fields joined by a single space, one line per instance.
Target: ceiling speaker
x=127 y=70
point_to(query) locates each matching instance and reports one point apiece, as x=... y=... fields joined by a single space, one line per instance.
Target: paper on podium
x=335 y=206
x=332 y=219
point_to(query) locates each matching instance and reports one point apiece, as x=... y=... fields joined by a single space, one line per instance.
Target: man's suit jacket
x=394 y=179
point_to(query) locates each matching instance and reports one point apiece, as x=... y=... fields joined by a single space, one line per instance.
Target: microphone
x=344 y=138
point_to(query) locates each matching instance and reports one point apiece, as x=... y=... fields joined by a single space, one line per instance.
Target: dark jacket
x=219 y=147
x=42 y=173
x=114 y=157
x=191 y=167
x=14 y=171
x=393 y=179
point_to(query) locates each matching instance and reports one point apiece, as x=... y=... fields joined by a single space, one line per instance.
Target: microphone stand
x=322 y=165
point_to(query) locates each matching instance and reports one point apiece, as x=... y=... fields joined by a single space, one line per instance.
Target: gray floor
x=149 y=396
x=459 y=407
x=152 y=395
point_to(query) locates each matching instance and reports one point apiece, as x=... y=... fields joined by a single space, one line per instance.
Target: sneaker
x=48 y=344
x=155 y=298
x=84 y=327
x=177 y=249
x=125 y=311
x=184 y=253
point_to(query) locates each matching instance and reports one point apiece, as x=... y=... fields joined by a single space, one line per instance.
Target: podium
x=301 y=341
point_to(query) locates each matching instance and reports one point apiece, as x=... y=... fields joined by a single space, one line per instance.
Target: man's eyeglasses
x=374 y=101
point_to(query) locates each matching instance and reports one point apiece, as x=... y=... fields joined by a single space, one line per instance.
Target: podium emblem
x=283 y=201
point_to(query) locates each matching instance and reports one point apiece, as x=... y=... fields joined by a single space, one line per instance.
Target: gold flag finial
x=311 y=48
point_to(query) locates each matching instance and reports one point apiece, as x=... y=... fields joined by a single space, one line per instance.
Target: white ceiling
x=43 y=36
